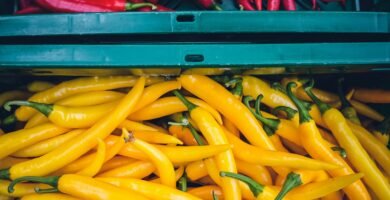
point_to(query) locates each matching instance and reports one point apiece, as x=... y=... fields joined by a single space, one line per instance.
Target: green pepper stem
x=9 y=120
x=216 y=7
x=304 y=115
x=269 y=125
x=255 y=187
x=321 y=105
x=183 y=183
x=185 y=101
x=135 y=6
x=289 y=111
x=4 y=174
x=238 y=89
x=215 y=197
x=341 y=151
x=344 y=102
x=196 y=135
x=50 y=180
x=277 y=86
x=45 y=109
x=293 y=180
x=49 y=190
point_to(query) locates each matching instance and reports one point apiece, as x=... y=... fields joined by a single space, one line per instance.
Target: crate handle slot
x=185 y=18
x=194 y=58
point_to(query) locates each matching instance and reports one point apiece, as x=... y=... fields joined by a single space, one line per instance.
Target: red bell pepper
x=290 y=5
x=90 y=5
x=209 y=4
x=273 y=5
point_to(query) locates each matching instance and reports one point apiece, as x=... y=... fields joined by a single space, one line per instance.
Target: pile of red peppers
x=80 y=6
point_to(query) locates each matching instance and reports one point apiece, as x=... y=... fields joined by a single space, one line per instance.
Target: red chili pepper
x=290 y=4
x=314 y=2
x=153 y=1
x=209 y=4
x=90 y=5
x=259 y=4
x=273 y=5
x=32 y=9
x=245 y=5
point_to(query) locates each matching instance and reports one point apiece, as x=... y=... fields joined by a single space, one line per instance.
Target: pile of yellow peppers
x=192 y=137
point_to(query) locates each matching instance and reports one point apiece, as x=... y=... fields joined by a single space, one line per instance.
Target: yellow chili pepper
x=149 y=189
x=115 y=162
x=357 y=155
x=170 y=105
x=230 y=126
x=320 y=189
x=184 y=134
x=365 y=110
x=316 y=146
x=178 y=174
x=373 y=146
x=1 y=132
x=49 y=196
x=21 y=189
x=77 y=86
x=82 y=99
x=196 y=170
x=250 y=154
x=225 y=102
x=14 y=141
x=73 y=149
x=159 y=159
x=204 y=71
x=156 y=137
x=135 y=126
x=2 y=197
x=178 y=154
x=265 y=70
x=138 y=169
x=45 y=146
x=80 y=187
x=39 y=86
x=257 y=172
x=206 y=192
x=113 y=146
x=213 y=171
x=94 y=167
x=327 y=136
x=214 y=135
x=9 y=161
x=372 y=95
x=69 y=117
x=13 y=95
x=153 y=92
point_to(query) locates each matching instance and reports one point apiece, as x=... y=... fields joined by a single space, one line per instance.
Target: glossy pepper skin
x=226 y=103
x=89 y=5
x=77 y=86
x=81 y=144
x=320 y=189
x=70 y=117
x=214 y=134
x=289 y=5
x=162 y=163
x=49 y=196
x=316 y=146
x=149 y=189
x=209 y=4
x=82 y=187
x=357 y=155
x=137 y=169
x=249 y=154
x=206 y=192
x=273 y=5
x=170 y=105
x=17 y=140
x=45 y=146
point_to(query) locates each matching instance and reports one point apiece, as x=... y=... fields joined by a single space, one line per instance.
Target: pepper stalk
x=293 y=180
x=45 y=109
x=50 y=180
x=304 y=115
x=346 y=108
